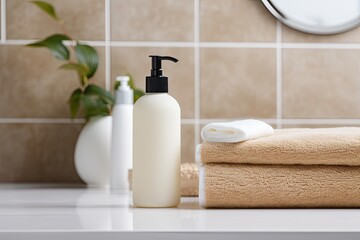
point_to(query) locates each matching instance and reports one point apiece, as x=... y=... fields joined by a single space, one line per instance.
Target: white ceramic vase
x=92 y=152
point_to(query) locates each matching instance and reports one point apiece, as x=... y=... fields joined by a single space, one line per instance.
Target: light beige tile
x=32 y=86
x=84 y=19
x=291 y=35
x=136 y=61
x=38 y=152
x=321 y=83
x=152 y=20
x=238 y=83
x=236 y=21
x=187 y=143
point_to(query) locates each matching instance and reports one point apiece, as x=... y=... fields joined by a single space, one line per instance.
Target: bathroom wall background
x=236 y=61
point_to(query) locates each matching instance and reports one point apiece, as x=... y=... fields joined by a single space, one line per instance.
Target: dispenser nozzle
x=156 y=64
x=156 y=82
x=124 y=81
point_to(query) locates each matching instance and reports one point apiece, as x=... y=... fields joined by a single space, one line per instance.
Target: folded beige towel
x=278 y=186
x=326 y=146
x=189 y=177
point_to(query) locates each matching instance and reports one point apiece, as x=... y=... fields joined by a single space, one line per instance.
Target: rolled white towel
x=237 y=131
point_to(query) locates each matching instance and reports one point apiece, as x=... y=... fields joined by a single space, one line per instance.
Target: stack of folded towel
x=289 y=168
x=189 y=179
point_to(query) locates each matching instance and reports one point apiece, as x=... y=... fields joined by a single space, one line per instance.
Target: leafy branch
x=89 y=99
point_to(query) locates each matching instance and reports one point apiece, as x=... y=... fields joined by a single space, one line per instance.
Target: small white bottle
x=157 y=143
x=122 y=135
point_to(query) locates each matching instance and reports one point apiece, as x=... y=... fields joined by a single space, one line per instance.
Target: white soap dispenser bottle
x=122 y=135
x=157 y=143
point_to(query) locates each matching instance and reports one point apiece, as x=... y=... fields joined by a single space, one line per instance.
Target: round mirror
x=316 y=16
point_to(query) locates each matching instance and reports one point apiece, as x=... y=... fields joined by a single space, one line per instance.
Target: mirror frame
x=307 y=28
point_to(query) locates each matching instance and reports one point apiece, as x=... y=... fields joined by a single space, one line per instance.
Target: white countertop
x=73 y=212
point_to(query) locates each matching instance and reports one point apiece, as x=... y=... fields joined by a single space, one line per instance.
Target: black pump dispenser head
x=157 y=83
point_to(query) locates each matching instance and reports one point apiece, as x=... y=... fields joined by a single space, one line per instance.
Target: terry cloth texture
x=278 y=186
x=189 y=179
x=323 y=146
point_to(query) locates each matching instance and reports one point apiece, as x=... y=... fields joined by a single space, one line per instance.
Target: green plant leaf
x=131 y=81
x=94 y=90
x=88 y=56
x=74 y=102
x=55 y=44
x=48 y=8
x=94 y=107
x=138 y=93
x=116 y=85
x=79 y=68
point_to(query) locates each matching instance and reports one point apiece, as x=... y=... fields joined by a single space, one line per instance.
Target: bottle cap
x=124 y=94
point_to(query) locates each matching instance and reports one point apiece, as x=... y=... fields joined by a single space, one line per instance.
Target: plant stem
x=84 y=82
x=63 y=29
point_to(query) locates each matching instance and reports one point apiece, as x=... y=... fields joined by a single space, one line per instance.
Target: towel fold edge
x=245 y=132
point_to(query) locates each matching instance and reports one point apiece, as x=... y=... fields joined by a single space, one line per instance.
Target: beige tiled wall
x=236 y=61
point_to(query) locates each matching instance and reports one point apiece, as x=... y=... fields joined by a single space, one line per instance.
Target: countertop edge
x=107 y=235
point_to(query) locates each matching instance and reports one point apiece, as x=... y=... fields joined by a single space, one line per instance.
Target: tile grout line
x=152 y=44
x=197 y=66
x=202 y=44
x=107 y=45
x=321 y=121
x=295 y=121
x=3 y=21
x=279 y=90
x=192 y=121
x=42 y=120
x=24 y=42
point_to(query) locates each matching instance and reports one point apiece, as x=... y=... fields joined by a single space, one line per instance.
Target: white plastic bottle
x=157 y=143
x=122 y=136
